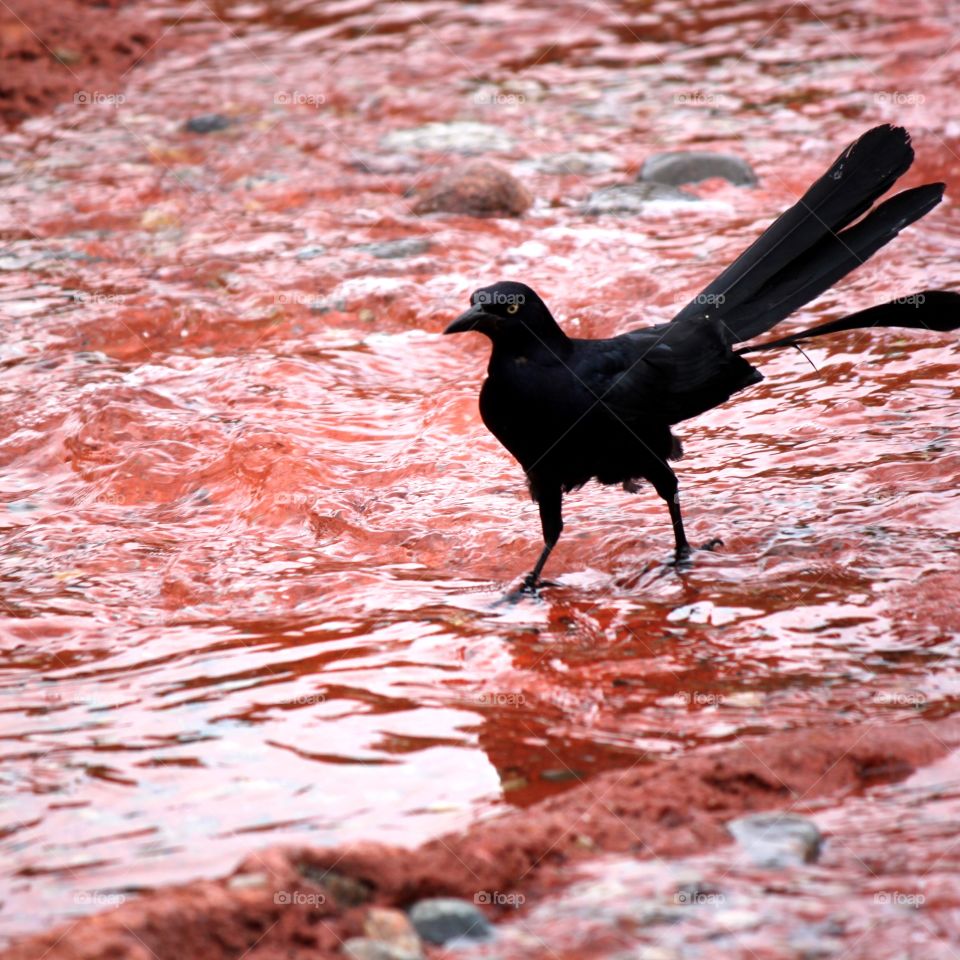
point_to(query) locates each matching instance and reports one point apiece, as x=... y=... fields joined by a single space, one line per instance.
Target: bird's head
x=507 y=311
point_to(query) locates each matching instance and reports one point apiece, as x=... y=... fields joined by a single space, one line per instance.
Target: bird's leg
x=683 y=547
x=551 y=520
x=676 y=518
x=665 y=482
x=531 y=580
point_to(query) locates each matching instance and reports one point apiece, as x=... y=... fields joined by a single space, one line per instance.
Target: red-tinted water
x=254 y=531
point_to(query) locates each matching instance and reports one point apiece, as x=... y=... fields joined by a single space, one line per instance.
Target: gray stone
x=366 y=948
x=642 y=952
x=309 y=253
x=346 y=890
x=384 y=165
x=465 y=136
x=35 y=259
x=442 y=919
x=777 y=840
x=71 y=255
x=808 y=947
x=208 y=123
x=698 y=893
x=692 y=166
x=652 y=914
x=577 y=161
x=631 y=198
x=390 y=249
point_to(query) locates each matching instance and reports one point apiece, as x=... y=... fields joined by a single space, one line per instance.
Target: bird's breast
x=531 y=412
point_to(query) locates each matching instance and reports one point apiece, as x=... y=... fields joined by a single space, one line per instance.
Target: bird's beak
x=470 y=320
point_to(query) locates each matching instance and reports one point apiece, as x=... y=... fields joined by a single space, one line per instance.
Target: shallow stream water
x=254 y=533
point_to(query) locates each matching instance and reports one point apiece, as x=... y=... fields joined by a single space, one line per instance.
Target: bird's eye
x=513 y=307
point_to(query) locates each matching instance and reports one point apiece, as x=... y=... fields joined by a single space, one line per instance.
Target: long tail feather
x=834 y=257
x=937 y=310
x=807 y=231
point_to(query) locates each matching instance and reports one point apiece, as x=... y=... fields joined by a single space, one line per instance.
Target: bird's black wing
x=666 y=373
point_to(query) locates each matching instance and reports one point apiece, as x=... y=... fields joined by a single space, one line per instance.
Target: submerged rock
x=777 y=840
x=366 y=948
x=390 y=249
x=393 y=928
x=462 y=136
x=478 y=188
x=648 y=952
x=692 y=166
x=577 y=161
x=442 y=919
x=631 y=198
x=208 y=123
x=311 y=252
x=384 y=165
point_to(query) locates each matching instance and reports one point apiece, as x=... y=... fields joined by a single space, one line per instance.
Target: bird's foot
x=526 y=591
x=529 y=588
x=683 y=558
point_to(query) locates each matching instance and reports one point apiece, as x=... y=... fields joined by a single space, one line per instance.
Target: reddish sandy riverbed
x=255 y=533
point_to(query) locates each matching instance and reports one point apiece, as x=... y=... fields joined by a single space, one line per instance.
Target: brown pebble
x=392 y=927
x=477 y=188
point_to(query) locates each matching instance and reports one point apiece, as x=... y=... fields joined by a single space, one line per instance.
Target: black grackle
x=572 y=410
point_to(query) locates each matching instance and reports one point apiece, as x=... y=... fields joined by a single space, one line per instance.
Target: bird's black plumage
x=572 y=410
